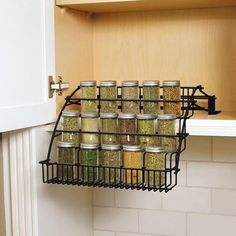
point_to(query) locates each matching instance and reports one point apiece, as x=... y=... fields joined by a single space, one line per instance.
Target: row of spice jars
x=111 y=163
x=120 y=129
x=130 y=92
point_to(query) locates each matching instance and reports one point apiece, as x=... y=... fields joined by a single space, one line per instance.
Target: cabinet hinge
x=58 y=87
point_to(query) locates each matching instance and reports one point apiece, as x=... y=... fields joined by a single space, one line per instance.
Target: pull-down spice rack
x=190 y=99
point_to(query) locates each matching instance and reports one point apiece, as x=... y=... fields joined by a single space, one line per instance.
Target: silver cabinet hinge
x=58 y=87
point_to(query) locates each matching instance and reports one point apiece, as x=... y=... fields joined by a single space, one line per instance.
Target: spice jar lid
x=171 y=83
x=67 y=144
x=108 y=115
x=134 y=148
x=155 y=149
x=89 y=114
x=146 y=117
x=89 y=146
x=126 y=116
x=151 y=83
x=111 y=147
x=71 y=113
x=108 y=83
x=167 y=117
x=130 y=83
x=88 y=83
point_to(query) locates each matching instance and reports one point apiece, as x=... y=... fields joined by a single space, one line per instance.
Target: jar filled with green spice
x=146 y=125
x=88 y=159
x=110 y=156
x=89 y=122
x=127 y=124
x=133 y=163
x=88 y=89
x=108 y=90
x=67 y=155
x=155 y=166
x=167 y=126
x=109 y=123
x=151 y=91
x=171 y=91
x=130 y=90
x=70 y=122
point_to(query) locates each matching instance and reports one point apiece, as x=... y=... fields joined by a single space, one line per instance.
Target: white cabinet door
x=27 y=58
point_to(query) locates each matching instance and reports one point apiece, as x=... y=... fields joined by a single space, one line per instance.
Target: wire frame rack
x=162 y=179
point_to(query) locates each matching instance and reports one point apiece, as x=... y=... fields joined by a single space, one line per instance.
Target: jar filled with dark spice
x=133 y=163
x=127 y=124
x=88 y=159
x=88 y=89
x=167 y=126
x=151 y=91
x=70 y=122
x=155 y=166
x=146 y=125
x=108 y=90
x=171 y=91
x=90 y=122
x=109 y=123
x=110 y=156
x=130 y=90
x=66 y=157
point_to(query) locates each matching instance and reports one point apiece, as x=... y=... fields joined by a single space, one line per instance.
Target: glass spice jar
x=133 y=161
x=154 y=162
x=130 y=90
x=146 y=125
x=88 y=90
x=171 y=91
x=89 y=157
x=167 y=126
x=70 y=122
x=108 y=90
x=151 y=91
x=110 y=156
x=127 y=124
x=89 y=122
x=66 y=157
x=109 y=123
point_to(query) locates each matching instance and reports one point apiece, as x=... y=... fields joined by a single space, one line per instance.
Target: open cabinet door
x=27 y=58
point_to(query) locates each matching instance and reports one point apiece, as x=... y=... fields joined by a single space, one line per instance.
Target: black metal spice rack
x=163 y=179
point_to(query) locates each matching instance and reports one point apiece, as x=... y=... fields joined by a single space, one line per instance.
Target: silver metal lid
x=71 y=113
x=166 y=117
x=89 y=146
x=108 y=115
x=171 y=83
x=108 y=83
x=89 y=114
x=130 y=83
x=133 y=148
x=67 y=144
x=146 y=117
x=126 y=116
x=112 y=147
x=151 y=83
x=155 y=149
x=88 y=83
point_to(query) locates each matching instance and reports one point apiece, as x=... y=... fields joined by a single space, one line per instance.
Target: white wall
x=204 y=203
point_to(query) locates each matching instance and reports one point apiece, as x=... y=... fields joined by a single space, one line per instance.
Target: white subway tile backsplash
x=103 y=233
x=187 y=199
x=224 y=202
x=131 y=234
x=116 y=219
x=215 y=175
x=103 y=197
x=182 y=175
x=198 y=149
x=211 y=225
x=162 y=223
x=224 y=149
x=138 y=199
